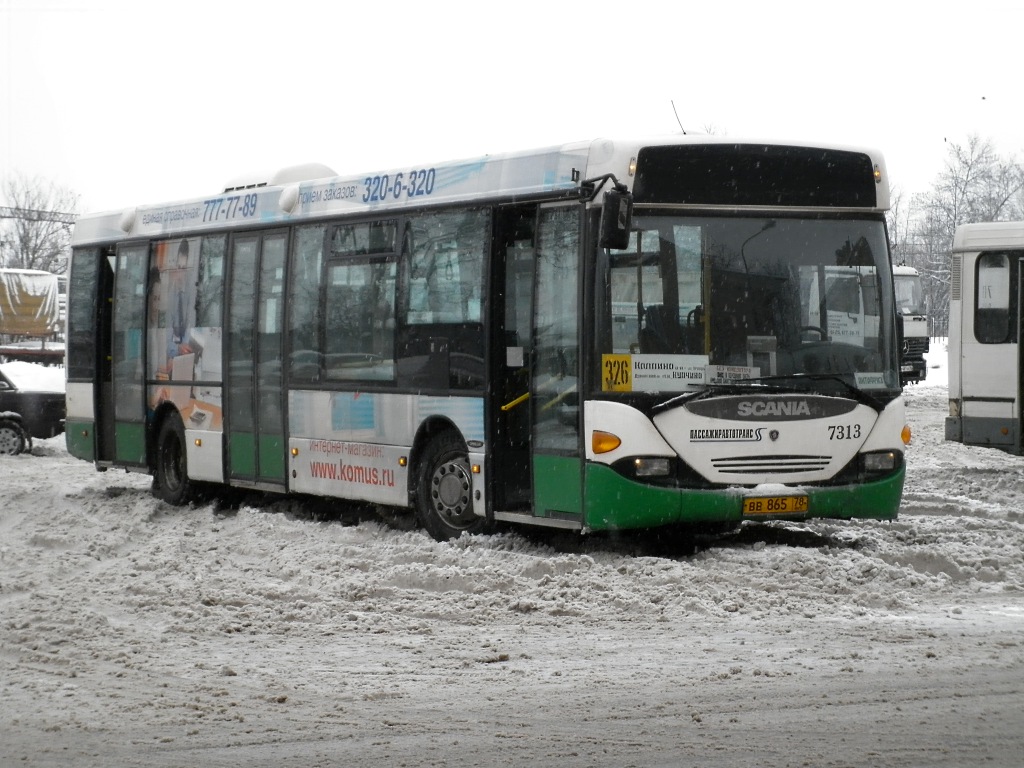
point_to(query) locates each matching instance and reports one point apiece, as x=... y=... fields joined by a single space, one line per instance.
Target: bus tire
x=444 y=490
x=12 y=438
x=170 y=478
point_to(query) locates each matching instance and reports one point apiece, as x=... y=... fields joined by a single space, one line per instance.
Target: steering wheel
x=816 y=329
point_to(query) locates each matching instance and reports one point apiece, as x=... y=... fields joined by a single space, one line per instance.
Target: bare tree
x=977 y=184
x=897 y=219
x=35 y=229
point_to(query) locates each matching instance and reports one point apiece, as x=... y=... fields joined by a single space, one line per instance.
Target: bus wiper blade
x=769 y=385
x=713 y=390
x=685 y=397
x=858 y=394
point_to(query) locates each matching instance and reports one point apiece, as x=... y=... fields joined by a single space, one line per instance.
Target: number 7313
x=844 y=432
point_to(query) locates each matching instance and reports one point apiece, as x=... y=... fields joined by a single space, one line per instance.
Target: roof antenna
x=672 y=102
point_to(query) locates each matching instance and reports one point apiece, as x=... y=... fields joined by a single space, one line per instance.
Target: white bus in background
x=911 y=306
x=984 y=331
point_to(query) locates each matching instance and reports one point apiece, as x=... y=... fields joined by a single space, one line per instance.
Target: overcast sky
x=131 y=102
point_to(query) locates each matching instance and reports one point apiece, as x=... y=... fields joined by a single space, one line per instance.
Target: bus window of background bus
x=359 y=303
x=994 y=302
x=304 y=303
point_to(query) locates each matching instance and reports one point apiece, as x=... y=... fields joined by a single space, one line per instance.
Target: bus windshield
x=727 y=299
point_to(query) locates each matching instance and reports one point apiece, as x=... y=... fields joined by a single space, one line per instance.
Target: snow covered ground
x=136 y=634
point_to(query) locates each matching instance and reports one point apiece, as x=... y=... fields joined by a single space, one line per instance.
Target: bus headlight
x=652 y=466
x=662 y=471
x=879 y=464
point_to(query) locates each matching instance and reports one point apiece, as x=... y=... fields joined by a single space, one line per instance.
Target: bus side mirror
x=616 y=219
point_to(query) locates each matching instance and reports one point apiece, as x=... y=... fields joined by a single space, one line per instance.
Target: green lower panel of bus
x=257 y=457
x=242 y=454
x=130 y=442
x=556 y=486
x=271 y=458
x=80 y=439
x=615 y=502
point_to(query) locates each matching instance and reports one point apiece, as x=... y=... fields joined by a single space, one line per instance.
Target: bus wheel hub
x=449 y=488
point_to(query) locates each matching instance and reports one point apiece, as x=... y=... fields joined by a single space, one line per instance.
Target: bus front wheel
x=171 y=481
x=444 y=490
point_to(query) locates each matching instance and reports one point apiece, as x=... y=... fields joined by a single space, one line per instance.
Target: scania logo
x=771 y=407
x=767 y=408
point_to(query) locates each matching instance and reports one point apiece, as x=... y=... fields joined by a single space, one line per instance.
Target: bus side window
x=359 y=343
x=304 y=319
x=86 y=266
x=992 y=299
x=440 y=334
x=210 y=293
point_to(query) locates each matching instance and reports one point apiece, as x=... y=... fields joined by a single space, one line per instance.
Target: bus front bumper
x=614 y=502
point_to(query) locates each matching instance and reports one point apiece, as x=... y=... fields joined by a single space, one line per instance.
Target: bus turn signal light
x=604 y=442
x=905 y=434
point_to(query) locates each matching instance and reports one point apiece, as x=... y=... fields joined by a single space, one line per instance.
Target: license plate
x=774 y=505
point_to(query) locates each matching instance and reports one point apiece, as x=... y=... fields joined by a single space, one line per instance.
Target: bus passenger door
x=103 y=314
x=254 y=391
x=557 y=462
x=509 y=407
x=121 y=412
x=535 y=468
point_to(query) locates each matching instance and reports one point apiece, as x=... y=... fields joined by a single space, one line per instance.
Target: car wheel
x=444 y=490
x=170 y=481
x=12 y=438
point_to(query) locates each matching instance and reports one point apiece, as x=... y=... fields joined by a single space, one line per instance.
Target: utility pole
x=31 y=214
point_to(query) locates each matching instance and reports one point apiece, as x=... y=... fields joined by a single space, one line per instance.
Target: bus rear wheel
x=170 y=481
x=444 y=491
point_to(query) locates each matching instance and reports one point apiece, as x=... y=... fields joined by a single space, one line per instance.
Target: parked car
x=31 y=405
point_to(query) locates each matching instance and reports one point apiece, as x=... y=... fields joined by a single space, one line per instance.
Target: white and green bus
x=596 y=336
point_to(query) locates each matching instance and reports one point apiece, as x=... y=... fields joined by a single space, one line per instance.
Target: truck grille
x=915 y=346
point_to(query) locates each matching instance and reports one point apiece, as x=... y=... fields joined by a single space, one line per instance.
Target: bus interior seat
x=661 y=332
